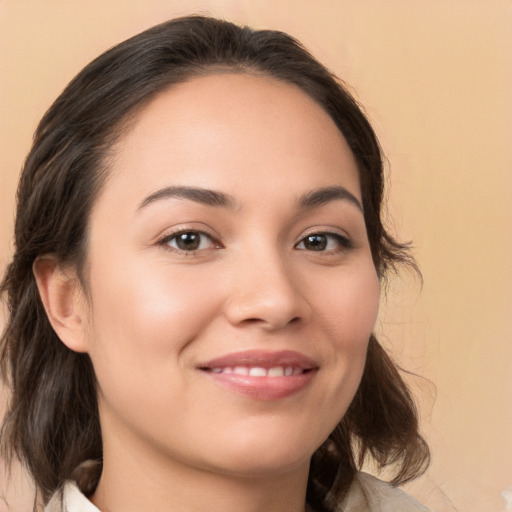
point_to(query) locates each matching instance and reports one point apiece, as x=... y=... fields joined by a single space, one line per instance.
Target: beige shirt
x=367 y=494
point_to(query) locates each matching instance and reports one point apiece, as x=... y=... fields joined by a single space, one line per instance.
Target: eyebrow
x=321 y=196
x=312 y=199
x=199 y=195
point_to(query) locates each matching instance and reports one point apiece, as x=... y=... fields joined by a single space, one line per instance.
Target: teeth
x=277 y=371
x=256 y=371
x=226 y=369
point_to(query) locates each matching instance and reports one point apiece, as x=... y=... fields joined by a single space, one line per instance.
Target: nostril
x=252 y=320
x=274 y=323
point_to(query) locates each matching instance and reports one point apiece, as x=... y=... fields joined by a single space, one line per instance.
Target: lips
x=262 y=375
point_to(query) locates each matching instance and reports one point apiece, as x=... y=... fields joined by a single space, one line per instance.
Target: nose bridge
x=265 y=289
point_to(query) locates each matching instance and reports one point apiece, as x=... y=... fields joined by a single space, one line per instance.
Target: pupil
x=188 y=241
x=316 y=242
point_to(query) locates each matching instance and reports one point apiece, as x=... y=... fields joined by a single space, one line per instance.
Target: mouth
x=259 y=371
x=262 y=375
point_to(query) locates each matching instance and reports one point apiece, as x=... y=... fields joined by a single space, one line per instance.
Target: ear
x=63 y=300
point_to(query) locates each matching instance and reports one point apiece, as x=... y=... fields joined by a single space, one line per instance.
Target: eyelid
x=325 y=230
x=343 y=238
x=164 y=239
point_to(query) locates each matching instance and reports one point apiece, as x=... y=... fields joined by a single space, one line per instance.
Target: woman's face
x=232 y=288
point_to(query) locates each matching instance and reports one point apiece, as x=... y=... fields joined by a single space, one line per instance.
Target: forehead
x=226 y=131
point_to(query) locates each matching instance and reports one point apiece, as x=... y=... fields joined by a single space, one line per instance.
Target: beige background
x=435 y=77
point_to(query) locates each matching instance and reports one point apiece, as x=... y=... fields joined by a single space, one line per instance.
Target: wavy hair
x=52 y=423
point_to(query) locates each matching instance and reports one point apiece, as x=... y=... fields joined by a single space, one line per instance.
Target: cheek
x=348 y=314
x=148 y=311
x=350 y=308
x=346 y=309
x=143 y=319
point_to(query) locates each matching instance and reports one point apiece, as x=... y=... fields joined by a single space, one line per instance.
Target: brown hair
x=52 y=422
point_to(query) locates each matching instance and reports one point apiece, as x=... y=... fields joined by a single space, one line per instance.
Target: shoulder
x=70 y=499
x=369 y=494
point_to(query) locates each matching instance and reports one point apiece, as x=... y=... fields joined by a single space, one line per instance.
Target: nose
x=266 y=292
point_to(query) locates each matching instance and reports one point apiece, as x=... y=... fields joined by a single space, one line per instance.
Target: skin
x=154 y=312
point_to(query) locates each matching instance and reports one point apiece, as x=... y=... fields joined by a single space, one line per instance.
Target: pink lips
x=262 y=375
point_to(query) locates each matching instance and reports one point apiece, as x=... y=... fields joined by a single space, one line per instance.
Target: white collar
x=70 y=499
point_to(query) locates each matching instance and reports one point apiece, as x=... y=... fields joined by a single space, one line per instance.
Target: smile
x=262 y=375
x=258 y=371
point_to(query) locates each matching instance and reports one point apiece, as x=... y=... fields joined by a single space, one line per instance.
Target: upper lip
x=262 y=359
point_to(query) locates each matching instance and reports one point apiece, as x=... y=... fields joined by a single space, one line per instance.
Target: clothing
x=367 y=494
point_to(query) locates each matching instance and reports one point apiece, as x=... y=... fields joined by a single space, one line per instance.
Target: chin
x=262 y=465
x=265 y=455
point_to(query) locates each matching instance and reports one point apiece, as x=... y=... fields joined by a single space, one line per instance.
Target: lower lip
x=263 y=388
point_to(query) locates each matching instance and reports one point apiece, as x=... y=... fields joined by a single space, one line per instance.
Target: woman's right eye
x=189 y=241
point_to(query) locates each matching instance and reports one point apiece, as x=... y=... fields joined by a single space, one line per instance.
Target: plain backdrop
x=435 y=78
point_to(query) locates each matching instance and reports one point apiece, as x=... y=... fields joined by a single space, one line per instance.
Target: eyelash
x=343 y=241
x=165 y=241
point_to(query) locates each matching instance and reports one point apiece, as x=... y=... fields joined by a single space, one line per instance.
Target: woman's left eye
x=324 y=242
x=189 y=241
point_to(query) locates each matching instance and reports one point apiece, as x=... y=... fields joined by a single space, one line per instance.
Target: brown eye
x=324 y=242
x=189 y=241
x=315 y=242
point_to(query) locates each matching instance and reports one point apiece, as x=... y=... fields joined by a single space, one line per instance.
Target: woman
x=198 y=262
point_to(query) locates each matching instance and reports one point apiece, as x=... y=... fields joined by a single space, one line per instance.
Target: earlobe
x=62 y=297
